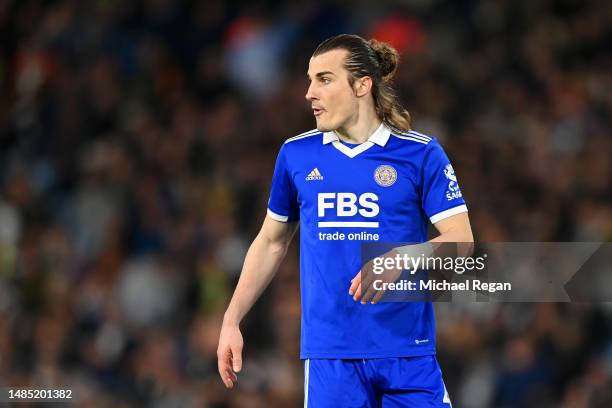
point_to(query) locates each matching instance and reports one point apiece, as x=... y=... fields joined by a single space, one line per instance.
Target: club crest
x=385 y=175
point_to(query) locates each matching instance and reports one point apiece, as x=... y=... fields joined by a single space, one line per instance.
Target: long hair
x=379 y=61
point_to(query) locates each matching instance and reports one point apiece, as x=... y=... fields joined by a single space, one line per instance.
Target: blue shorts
x=374 y=382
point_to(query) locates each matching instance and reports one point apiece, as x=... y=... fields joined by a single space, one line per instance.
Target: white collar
x=379 y=137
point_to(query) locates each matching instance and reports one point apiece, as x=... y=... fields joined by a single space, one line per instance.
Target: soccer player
x=361 y=175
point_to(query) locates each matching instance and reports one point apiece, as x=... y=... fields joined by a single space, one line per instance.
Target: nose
x=310 y=94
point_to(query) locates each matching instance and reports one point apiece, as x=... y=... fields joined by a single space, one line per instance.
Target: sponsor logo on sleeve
x=453 y=191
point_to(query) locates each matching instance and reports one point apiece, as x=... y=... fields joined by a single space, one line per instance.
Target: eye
x=325 y=80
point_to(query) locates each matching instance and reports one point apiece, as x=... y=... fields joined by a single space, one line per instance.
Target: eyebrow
x=320 y=74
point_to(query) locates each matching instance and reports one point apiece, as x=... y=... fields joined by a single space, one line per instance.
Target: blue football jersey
x=386 y=189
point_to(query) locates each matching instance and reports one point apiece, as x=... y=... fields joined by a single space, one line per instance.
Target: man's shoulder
x=306 y=137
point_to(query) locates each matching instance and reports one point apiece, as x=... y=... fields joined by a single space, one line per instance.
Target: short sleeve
x=441 y=196
x=282 y=205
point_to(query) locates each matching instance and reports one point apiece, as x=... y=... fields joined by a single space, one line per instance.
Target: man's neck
x=361 y=130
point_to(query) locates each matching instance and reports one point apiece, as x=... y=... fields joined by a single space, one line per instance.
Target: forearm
x=455 y=230
x=260 y=266
x=459 y=235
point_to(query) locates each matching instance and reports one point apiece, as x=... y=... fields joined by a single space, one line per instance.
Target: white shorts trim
x=306 y=378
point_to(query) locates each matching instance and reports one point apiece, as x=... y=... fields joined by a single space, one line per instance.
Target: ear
x=362 y=86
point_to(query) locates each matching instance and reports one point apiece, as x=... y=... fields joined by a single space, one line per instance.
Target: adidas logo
x=314 y=175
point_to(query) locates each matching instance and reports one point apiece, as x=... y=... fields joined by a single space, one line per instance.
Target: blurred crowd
x=137 y=143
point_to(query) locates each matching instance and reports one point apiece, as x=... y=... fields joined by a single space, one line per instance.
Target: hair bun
x=387 y=57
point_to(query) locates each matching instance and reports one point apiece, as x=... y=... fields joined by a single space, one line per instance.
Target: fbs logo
x=314 y=175
x=348 y=205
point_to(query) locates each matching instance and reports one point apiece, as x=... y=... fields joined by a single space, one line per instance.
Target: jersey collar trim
x=379 y=137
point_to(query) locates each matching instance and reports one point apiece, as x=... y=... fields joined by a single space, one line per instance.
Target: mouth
x=317 y=111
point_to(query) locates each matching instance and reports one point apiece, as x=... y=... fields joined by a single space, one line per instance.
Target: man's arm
x=452 y=229
x=260 y=265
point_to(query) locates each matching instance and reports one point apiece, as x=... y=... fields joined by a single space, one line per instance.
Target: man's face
x=332 y=98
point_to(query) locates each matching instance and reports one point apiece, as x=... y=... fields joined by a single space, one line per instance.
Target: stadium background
x=137 y=142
